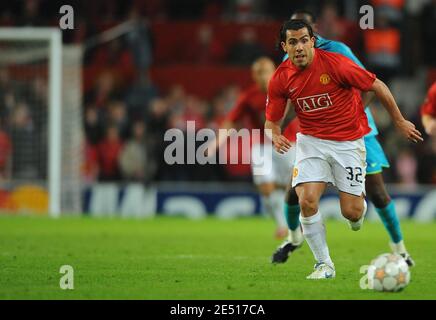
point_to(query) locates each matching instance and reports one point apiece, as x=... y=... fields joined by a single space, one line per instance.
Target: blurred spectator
x=392 y=9
x=116 y=59
x=428 y=32
x=157 y=124
x=382 y=47
x=24 y=144
x=93 y=127
x=37 y=100
x=334 y=27
x=140 y=42
x=117 y=116
x=406 y=166
x=104 y=91
x=139 y=96
x=176 y=98
x=427 y=162
x=196 y=110
x=213 y=10
x=247 y=49
x=5 y=155
x=219 y=113
x=245 y=10
x=133 y=158
x=108 y=153
x=152 y=9
x=230 y=95
x=7 y=94
x=31 y=15
x=205 y=49
x=90 y=167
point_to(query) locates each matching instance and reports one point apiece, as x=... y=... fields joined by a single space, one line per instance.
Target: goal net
x=40 y=122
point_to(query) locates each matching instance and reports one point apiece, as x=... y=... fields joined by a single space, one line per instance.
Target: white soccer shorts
x=276 y=168
x=341 y=163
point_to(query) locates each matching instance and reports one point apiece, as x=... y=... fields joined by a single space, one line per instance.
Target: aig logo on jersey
x=324 y=78
x=314 y=103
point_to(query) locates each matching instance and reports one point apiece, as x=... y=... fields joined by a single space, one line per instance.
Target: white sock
x=314 y=233
x=273 y=205
x=399 y=247
x=295 y=236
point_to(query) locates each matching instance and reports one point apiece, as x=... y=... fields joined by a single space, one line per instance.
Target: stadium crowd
x=126 y=111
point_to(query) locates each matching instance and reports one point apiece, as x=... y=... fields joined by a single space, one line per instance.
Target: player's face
x=299 y=46
x=262 y=73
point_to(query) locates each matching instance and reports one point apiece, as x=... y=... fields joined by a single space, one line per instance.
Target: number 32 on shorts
x=354 y=174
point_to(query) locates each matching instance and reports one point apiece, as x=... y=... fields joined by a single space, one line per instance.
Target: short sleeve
x=276 y=100
x=350 y=74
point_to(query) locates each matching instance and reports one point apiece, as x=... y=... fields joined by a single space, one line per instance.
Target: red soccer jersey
x=250 y=107
x=324 y=96
x=429 y=105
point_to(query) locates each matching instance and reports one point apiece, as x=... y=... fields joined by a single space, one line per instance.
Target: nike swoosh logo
x=354 y=185
x=292 y=89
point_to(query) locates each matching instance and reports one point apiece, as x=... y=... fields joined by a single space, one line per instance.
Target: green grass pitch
x=175 y=258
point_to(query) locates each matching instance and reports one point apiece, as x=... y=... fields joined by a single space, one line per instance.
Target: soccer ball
x=388 y=272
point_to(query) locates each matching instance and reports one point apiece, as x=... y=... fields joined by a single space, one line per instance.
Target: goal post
x=38 y=52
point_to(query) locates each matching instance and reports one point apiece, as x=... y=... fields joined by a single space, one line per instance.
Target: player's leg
x=385 y=208
x=295 y=237
x=377 y=193
x=348 y=161
x=314 y=232
x=353 y=208
x=282 y=166
x=311 y=174
x=272 y=199
x=292 y=215
x=264 y=178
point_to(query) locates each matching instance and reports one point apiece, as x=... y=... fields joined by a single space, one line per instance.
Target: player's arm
x=220 y=138
x=274 y=131
x=367 y=97
x=230 y=122
x=386 y=98
x=276 y=107
x=289 y=114
x=429 y=124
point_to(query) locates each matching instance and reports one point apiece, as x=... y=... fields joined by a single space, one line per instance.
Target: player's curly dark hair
x=294 y=24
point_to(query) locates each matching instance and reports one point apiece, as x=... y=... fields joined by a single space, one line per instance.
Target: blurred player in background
x=428 y=111
x=249 y=111
x=325 y=89
x=375 y=159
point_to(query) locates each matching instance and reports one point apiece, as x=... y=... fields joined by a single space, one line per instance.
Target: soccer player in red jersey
x=428 y=111
x=376 y=163
x=249 y=112
x=324 y=89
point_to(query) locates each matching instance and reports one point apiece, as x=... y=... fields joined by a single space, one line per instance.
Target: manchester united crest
x=324 y=78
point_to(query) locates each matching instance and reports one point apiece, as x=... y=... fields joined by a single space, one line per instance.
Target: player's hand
x=281 y=143
x=409 y=131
